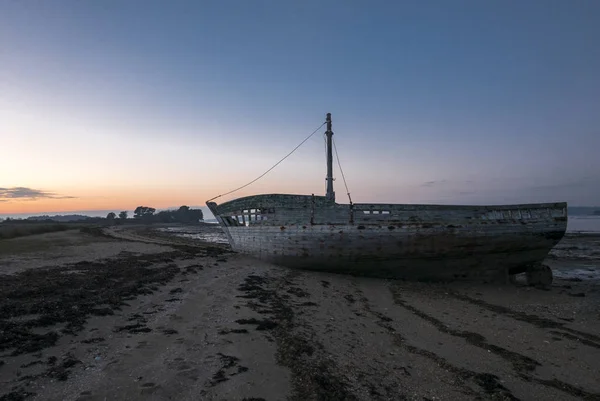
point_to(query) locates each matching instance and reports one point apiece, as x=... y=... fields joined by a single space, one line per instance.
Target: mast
x=329 y=133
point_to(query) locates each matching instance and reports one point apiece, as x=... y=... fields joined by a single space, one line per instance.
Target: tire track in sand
x=489 y=383
x=522 y=364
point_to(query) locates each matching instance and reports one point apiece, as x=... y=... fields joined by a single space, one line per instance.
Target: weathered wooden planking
x=407 y=241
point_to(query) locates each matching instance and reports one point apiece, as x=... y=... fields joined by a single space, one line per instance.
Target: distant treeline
x=58 y=218
x=54 y=219
x=148 y=215
x=141 y=214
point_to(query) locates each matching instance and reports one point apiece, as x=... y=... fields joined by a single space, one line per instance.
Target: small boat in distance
x=407 y=241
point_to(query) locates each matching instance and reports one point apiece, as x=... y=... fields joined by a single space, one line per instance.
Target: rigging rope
x=275 y=165
x=341 y=171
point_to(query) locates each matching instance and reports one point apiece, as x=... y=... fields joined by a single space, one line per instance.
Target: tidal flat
x=134 y=312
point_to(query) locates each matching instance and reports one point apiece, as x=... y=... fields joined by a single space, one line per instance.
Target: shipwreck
x=405 y=241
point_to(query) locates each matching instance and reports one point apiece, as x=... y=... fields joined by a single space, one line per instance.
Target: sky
x=113 y=104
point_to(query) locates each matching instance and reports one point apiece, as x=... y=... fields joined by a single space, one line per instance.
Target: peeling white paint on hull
x=430 y=242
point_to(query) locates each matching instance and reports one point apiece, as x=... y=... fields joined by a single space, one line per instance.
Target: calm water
x=584 y=224
x=203 y=233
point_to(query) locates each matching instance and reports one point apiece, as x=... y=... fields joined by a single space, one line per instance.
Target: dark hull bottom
x=401 y=256
x=482 y=268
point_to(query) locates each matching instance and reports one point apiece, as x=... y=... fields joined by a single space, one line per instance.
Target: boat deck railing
x=384 y=214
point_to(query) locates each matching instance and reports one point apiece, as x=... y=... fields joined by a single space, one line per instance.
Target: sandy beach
x=136 y=313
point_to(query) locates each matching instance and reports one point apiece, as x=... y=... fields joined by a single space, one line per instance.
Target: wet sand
x=132 y=313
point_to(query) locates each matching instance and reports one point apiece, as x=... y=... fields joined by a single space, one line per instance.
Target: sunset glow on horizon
x=110 y=105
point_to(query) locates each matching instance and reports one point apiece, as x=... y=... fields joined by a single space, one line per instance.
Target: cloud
x=566 y=185
x=580 y=192
x=432 y=183
x=23 y=193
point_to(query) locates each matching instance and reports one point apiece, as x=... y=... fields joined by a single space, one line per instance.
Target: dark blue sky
x=433 y=101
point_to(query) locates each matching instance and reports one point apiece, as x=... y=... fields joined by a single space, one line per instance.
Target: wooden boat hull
x=422 y=242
